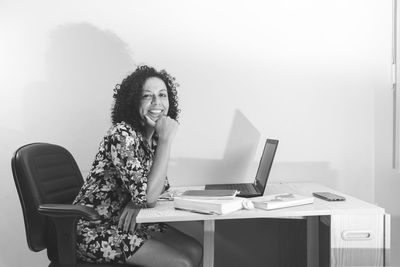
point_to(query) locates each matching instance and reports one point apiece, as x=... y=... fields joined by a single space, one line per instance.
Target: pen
x=196 y=211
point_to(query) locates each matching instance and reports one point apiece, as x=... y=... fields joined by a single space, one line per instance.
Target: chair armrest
x=68 y=210
x=65 y=218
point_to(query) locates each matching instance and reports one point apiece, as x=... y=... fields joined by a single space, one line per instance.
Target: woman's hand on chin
x=166 y=128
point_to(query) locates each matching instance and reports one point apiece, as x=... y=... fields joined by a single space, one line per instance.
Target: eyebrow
x=147 y=90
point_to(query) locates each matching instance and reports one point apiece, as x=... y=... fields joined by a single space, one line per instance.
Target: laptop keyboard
x=248 y=188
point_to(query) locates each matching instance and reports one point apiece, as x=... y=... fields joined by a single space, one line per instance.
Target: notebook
x=256 y=188
x=207 y=206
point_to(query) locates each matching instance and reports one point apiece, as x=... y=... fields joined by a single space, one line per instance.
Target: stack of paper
x=208 y=206
x=209 y=201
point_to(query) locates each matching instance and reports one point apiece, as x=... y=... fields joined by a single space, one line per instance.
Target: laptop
x=256 y=188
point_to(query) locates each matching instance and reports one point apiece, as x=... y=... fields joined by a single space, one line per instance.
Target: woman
x=129 y=173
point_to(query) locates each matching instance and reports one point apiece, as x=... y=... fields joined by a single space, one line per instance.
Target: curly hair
x=128 y=94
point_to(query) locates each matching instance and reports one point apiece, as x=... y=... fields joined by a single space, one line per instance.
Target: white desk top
x=165 y=212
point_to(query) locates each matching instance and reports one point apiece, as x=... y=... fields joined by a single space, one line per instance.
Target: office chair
x=47 y=180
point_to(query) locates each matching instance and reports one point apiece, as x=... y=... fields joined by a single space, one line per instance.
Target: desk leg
x=313 y=241
x=208 y=244
x=386 y=231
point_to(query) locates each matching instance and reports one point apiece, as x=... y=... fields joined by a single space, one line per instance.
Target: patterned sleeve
x=129 y=162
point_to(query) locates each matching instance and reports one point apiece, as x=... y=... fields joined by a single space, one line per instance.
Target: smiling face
x=154 y=102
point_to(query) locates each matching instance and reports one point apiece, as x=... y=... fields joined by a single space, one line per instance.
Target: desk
x=358 y=233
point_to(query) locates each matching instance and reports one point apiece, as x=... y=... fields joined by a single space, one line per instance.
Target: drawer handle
x=356 y=235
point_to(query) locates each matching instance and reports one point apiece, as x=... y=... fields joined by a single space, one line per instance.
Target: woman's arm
x=158 y=172
x=166 y=129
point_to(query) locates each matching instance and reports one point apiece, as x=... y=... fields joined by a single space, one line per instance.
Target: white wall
x=305 y=72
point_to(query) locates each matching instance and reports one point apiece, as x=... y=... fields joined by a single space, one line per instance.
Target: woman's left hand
x=166 y=128
x=127 y=220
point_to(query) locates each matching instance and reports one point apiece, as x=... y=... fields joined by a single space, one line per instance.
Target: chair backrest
x=43 y=174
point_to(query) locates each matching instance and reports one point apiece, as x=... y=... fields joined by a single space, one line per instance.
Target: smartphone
x=328 y=196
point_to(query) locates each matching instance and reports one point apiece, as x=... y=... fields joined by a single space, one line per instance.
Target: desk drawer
x=357 y=240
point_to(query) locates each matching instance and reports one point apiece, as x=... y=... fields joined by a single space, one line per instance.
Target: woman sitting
x=129 y=173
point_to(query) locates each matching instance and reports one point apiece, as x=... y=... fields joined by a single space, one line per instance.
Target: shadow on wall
x=73 y=106
x=239 y=165
x=238 y=156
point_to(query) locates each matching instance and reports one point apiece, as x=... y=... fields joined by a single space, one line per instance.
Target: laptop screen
x=265 y=165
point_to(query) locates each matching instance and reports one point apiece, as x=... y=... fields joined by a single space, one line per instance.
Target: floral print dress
x=118 y=175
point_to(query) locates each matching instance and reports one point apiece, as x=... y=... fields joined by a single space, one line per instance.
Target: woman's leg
x=154 y=253
x=182 y=242
x=172 y=248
